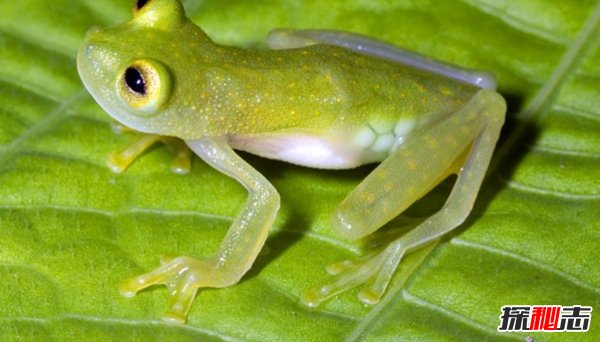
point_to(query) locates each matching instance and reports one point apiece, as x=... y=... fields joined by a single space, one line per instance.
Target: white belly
x=341 y=150
x=304 y=150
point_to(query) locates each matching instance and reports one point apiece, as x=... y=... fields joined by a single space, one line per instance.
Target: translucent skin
x=323 y=105
x=220 y=90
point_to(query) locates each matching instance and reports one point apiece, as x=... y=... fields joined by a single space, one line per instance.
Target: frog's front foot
x=119 y=161
x=183 y=276
x=374 y=271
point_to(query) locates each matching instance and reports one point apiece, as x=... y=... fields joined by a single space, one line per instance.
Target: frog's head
x=132 y=70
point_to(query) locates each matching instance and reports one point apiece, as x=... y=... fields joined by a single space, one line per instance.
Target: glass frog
x=321 y=99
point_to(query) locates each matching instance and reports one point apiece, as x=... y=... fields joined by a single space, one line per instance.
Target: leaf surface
x=70 y=230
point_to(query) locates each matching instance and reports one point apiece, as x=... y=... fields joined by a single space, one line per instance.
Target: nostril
x=92 y=30
x=89 y=50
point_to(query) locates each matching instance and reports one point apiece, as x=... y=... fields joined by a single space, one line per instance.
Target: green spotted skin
x=219 y=90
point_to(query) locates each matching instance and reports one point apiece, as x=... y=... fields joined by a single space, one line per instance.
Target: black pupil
x=135 y=81
x=141 y=3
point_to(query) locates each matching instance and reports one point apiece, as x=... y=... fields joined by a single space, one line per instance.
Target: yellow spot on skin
x=367 y=198
x=450 y=140
x=431 y=143
x=411 y=165
x=446 y=91
x=382 y=176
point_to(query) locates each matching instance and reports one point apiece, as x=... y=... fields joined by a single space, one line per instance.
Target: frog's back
x=328 y=86
x=325 y=106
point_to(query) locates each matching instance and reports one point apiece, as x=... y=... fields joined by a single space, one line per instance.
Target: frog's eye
x=145 y=85
x=158 y=13
x=139 y=4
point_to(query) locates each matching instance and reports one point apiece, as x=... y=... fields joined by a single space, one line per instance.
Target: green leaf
x=70 y=230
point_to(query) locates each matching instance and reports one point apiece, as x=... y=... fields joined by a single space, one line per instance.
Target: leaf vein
x=50 y=120
x=569 y=62
x=566 y=153
x=43 y=93
x=449 y=313
x=577 y=112
x=535 y=190
x=518 y=23
x=534 y=263
x=134 y=322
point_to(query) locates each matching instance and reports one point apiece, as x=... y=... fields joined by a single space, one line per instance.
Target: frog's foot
x=374 y=271
x=119 y=161
x=383 y=237
x=183 y=276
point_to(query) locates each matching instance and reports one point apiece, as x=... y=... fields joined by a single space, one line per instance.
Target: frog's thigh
x=422 y=162
x=490 y=108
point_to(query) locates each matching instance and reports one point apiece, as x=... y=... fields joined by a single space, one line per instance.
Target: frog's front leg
x=120 y=160
x=244 y=239
x=462 y=143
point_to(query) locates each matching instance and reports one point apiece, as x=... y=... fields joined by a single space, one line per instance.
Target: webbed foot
x=374 y=271
x=119 y=161
x=183 y=276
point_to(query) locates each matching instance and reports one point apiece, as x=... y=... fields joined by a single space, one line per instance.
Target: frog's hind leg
x=120 y=160
x=462 y=143
x=288 y=39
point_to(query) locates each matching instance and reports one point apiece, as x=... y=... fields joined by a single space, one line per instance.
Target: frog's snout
x=95 y=51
